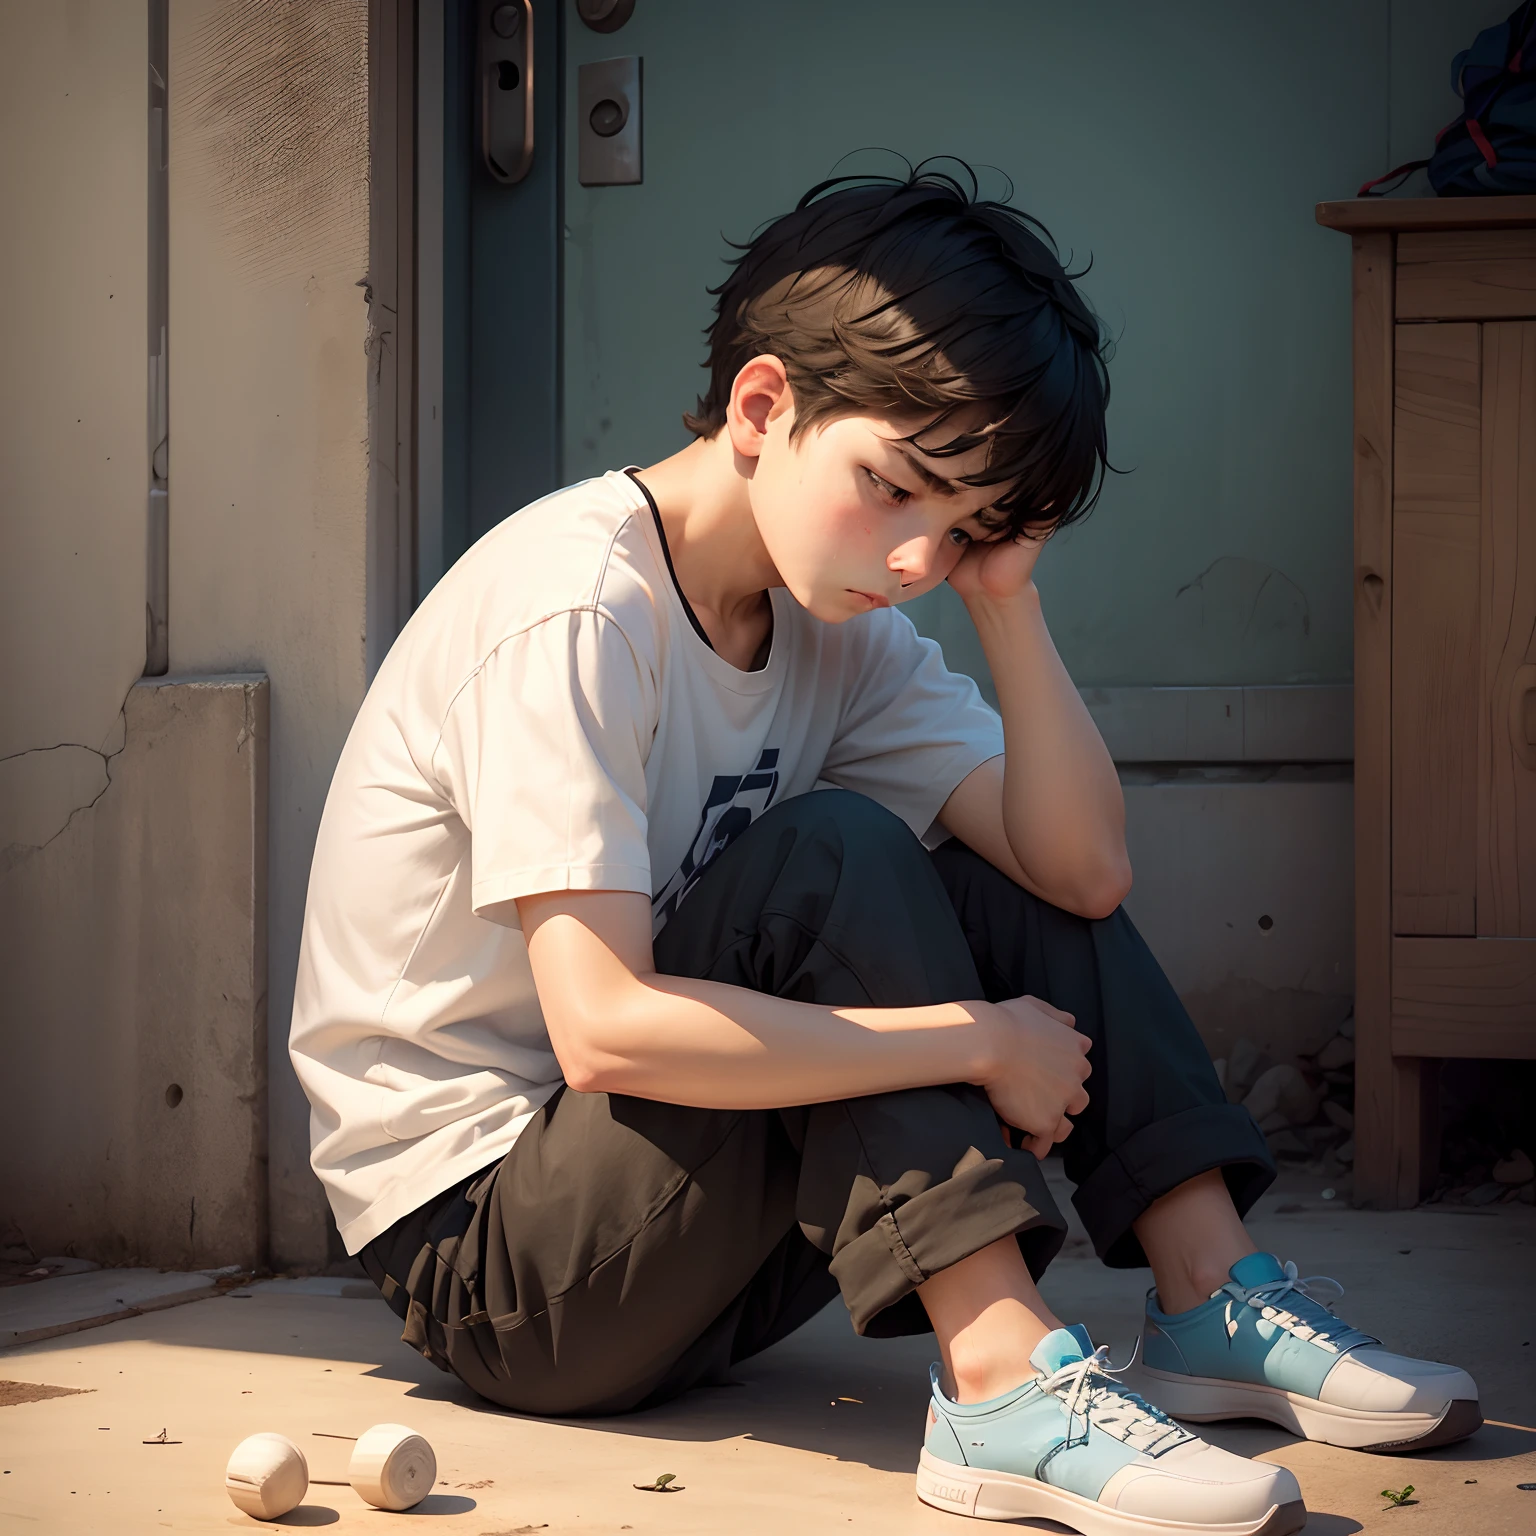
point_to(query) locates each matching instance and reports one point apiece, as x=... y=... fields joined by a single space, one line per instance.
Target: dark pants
x=625 y=1249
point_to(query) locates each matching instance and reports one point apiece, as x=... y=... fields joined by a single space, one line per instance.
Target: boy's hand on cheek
x=997 y=573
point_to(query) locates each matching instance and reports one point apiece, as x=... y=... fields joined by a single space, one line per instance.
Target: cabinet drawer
x=1464 y=997
x=1474 y=274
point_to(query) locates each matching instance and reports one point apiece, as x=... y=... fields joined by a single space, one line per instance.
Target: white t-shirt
x=550 y=720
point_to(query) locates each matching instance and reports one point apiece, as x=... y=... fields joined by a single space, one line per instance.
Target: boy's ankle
x=983 y=1388
x=1185 y=1292
x=979 y=1380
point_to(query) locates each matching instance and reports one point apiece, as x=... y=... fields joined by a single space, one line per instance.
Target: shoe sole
x=1204 y=1399
x=987 y=1495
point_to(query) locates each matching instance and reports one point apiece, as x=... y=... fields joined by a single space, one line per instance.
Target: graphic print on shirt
x=734 y=802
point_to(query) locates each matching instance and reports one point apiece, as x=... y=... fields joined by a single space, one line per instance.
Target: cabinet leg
x=1397 y=1132
x=1416 y=1128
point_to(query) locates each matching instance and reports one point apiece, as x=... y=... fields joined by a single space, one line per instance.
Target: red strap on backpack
x=1478 y=137
x=1406 y=169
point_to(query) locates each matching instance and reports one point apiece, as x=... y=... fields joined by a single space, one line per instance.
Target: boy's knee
x=856 y=824
x=974 y=882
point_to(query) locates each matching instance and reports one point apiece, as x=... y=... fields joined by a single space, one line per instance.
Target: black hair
x=896 y=295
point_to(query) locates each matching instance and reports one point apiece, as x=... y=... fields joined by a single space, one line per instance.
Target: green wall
x=1181 y=145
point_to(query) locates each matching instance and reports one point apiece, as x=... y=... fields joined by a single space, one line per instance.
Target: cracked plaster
x=43 y=789
x=1253 y=615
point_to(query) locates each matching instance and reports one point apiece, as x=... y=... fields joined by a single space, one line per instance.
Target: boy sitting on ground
x=684 y=942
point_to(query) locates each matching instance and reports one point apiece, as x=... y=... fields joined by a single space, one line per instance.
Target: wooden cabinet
x=1445 y=658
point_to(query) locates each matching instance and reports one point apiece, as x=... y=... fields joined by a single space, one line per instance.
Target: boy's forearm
x=717 y=1046
x=1063 y=809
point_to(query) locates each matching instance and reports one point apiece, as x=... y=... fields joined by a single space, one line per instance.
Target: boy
x=684 y=941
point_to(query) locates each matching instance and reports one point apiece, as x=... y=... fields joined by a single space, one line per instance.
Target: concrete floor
x=822 y=1433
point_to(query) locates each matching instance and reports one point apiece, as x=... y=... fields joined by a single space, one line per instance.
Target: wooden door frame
x=465 y=295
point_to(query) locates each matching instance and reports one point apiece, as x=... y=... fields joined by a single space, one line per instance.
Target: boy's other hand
x=999 y=572
x=1037 y=1078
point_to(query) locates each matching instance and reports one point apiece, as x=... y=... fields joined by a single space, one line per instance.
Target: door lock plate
x=608 y=123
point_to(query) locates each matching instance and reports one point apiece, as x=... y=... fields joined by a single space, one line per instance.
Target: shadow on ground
x=862 y=1400
x=821 y=1432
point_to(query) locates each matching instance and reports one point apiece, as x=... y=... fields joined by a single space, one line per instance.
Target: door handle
x=504 y=68
x=1522 y=715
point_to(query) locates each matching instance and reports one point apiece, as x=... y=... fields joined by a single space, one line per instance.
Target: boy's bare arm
x=1050 y=814
x=618 y=1026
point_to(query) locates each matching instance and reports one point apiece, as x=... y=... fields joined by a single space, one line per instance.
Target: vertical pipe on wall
x=157 y=616
x=430 y=547
x=391 y=288
x=458 y=148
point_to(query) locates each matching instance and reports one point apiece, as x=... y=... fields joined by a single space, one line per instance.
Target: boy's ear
x=760 y=395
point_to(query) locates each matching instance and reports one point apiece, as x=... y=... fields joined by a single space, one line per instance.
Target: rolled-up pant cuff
x=879 y=1271
x=1161 y=1156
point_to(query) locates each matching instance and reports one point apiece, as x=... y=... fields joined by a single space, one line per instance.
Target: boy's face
x=855 y=518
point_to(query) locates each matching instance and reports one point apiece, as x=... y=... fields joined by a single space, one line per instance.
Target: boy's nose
x=913 y=560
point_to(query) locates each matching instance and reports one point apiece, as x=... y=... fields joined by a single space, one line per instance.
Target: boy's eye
x=892 y=493
x=959 y=536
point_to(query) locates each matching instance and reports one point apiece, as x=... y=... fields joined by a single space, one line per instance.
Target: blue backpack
x=1491 y=147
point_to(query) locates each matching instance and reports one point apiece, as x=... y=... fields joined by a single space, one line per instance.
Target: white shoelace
x=1087 y=1388
x=1265 y=1299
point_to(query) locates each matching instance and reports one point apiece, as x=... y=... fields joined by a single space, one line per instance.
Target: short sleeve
x=542 y=754
x=910 y=729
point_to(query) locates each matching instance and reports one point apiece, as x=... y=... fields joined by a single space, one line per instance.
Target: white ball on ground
x=392 y=1467
x=267 y=1476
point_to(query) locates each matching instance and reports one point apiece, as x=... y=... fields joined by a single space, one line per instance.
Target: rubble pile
x=1306 y=1109
x=1478 y=1167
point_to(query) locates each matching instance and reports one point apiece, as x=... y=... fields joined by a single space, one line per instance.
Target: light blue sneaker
x=1265 y=1347
x=1073 y=1445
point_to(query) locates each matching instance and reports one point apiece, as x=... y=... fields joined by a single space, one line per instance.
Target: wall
x=1182 y=146
x=135 y=981
x=73 y=479
x=73 y=453
x=269 y=370
x=1243 y=892
x=132 y=816
x=269 y=432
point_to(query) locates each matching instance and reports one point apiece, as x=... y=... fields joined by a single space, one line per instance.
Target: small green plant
x=668 y=1483
x=1397 y=1497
